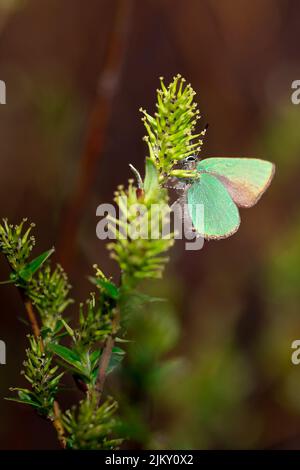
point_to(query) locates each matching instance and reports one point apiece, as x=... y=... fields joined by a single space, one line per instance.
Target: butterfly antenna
x=137 y=175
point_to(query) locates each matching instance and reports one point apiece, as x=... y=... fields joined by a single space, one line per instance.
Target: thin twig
x=104 y=362
x=57 y=423
x=31 y=316
x=106 y=355
x=37 y=333
x=96 y=129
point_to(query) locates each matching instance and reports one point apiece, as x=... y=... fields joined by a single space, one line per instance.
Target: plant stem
x=96 y=129
x=37 y=333
x=57 y=423
x=31 y=316
x=106 y=355
x=104 y=361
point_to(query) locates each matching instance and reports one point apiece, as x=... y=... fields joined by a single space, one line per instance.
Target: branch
x=104 y=362
x=31 y=315
x=57 y=423
x=106 y=355
x=96 y=129
x=37 y=333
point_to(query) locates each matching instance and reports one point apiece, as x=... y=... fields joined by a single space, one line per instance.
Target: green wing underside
x=221 y=216
x=246 y=179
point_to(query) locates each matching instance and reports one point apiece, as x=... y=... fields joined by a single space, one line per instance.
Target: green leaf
x=9 y=281
x=68 y=355
x=45 y=331
x=108 y=286
x=94 y=358
x=151 y=183
x=30 y=269
x=122 y=340
x=58 y=327
x=68 y=328
x=119 y=351
x=116 y=359
x=25 y=397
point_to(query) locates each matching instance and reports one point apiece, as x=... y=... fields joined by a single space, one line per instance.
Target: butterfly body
x=224 y=184
x=190 y=163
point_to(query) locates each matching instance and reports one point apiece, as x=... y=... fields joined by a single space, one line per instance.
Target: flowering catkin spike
x=171 y=131
x=135 y=249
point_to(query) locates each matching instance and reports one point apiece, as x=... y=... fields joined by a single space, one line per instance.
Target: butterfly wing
x=246 y=179
x=221 y=216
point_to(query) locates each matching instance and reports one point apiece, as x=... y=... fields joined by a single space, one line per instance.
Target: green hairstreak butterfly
x=224 y=184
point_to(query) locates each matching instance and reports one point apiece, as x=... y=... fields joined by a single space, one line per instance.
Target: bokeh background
x=210 y=367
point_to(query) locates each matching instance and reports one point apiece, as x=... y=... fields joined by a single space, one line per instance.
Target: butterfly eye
x=191 y=158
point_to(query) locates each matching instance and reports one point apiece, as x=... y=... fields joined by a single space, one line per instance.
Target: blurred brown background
x=233 y=308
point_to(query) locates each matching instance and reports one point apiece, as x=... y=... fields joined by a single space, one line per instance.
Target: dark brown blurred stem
x=96 y=129
x=104 y=362
x=106 y=355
